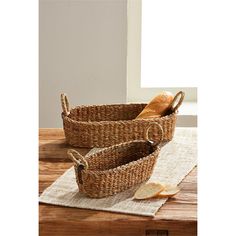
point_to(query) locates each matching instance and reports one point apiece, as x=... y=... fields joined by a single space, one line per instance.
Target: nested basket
x=106 y=125
x=116 y=168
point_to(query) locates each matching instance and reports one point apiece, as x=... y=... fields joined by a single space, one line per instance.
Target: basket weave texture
x=114 y=169
x=106 y=125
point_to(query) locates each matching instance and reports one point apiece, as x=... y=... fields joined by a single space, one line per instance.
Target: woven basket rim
x=112 y=104
x=65 y=117
x=121 y=167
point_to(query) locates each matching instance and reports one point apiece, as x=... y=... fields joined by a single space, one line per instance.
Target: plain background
x=19 y=119
x=82 y=52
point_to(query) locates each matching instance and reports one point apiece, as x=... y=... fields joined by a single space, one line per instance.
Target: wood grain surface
x=177 y=217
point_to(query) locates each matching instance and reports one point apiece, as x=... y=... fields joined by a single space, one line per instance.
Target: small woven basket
x=116 y=168
x=106 y=125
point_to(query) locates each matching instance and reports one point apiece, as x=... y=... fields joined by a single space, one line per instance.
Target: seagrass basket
x=106 y=125
x=116 y=168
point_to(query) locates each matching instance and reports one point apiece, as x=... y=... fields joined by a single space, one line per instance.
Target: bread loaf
x=159 y=106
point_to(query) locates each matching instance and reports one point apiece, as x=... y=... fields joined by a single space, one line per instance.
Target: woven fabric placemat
x=176 y=160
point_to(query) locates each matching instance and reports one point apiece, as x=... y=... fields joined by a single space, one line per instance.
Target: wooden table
x=177 y=217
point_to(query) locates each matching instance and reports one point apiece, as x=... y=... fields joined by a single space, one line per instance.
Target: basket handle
x=154 y=143
x=65 y=104
x=77 y=158
x=174 y=107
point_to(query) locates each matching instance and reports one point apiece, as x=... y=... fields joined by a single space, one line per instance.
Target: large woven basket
x=116 y=168
x=106 y=125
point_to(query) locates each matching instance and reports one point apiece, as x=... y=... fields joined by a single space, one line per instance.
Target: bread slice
x=148 y=191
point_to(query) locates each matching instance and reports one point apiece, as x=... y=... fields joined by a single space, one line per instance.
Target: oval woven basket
x=106 y=125
x=116 y=168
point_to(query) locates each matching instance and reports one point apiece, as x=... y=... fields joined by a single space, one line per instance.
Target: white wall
x=82 y=48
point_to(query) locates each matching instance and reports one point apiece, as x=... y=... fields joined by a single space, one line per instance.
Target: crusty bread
x=169 y=191
x=148 y=190
x=158 y=106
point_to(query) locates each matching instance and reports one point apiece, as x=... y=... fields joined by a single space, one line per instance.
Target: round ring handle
x=154 y=143
x=65 y=104
x=77 y=158
x=178 y=99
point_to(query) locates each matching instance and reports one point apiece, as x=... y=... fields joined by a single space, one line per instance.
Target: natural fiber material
x=175 y=161
x=116 y=168
x=106 y=125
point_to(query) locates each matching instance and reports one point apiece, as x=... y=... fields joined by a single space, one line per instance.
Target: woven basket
x=106 y=125
x=116 y=168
